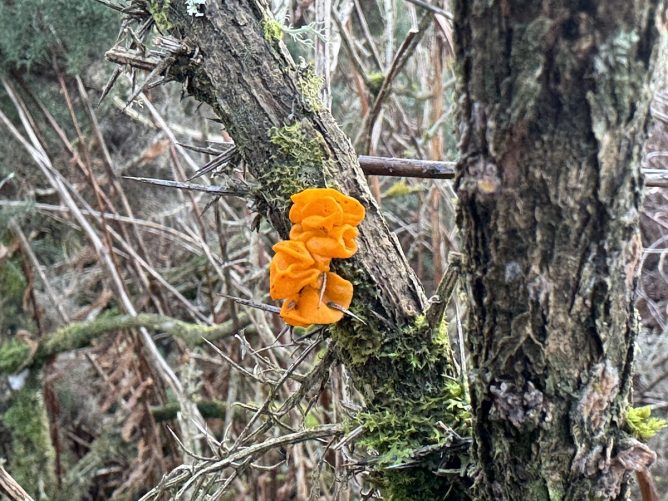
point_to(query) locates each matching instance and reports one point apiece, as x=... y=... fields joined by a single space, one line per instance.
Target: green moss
x=356 y=341
x=411 y=430
x=31 y=460
x=441 y=338
x=159 y=10
x=396 y=431
x=12 y=281
x=641 y=424
x=296 y=144
x=424 y=346
x=413 y=485
x=413 y=401
x=272 y=29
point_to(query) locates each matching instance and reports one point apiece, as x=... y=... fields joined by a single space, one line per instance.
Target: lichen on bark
x=553 y=110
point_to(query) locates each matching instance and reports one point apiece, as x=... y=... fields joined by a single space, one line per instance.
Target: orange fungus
x=325 y=222
x=291 y=269
x=310 y=201
x=337 y=243
x=313 y=305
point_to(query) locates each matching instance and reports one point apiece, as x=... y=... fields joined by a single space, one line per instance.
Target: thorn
x=109 y=85
x=340 y=308
x=202 y=149
x=247 y=302
x=159 y=82
x=209 y=204
x=221 y=160
x=221 y=190
x=162 y=66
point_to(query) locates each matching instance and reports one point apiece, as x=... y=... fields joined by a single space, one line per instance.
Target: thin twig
x=433 y=8
x=218 y=190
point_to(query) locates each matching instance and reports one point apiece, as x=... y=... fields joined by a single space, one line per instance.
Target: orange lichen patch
x=339 y=242
x=311 y=305
x=320 y=202
x=292 y=268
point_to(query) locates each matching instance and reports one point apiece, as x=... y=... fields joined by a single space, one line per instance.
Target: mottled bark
x=553 y=110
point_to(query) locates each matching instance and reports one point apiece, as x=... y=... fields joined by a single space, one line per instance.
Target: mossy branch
x=210 y=409
x=18 y=353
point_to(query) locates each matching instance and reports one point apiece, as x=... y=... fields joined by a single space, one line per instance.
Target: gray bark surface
x=553 y=111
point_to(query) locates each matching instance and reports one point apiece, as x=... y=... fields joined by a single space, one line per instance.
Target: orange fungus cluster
x=324 y=227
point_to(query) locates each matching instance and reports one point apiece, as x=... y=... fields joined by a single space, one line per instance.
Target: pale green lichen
x=295 y=143
x=401 y=189
x=193 y=7
x=159 y=10
x=309 y=85
x=272 y=29
x=642 y=424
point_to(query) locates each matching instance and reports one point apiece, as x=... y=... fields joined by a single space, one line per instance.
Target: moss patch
x=298 y=163
x=395 y=432
x=418 y=408
x=12 y=287
x=412 y=485
x=31 y=461
x=376 y=80
x=13 y=354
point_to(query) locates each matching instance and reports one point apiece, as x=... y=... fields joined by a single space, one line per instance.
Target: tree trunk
x=553 y=111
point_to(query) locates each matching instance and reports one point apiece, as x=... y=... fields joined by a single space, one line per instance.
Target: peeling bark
x=553 y=112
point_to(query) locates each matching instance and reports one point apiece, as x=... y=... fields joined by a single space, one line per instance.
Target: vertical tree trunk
x=553 y=106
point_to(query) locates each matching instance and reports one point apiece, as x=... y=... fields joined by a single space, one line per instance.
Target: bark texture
x=553 y=106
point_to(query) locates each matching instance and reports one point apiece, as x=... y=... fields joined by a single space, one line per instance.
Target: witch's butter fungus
x=325 y=223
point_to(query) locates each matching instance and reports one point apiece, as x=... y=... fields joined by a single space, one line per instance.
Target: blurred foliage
x=12 y=285
x=642 y=424
x=31 y=29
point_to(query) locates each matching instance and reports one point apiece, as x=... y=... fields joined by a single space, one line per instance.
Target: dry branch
x=11 y=488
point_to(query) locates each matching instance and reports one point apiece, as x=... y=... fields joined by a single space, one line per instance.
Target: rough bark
x=401 y=363
x=553 y=107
